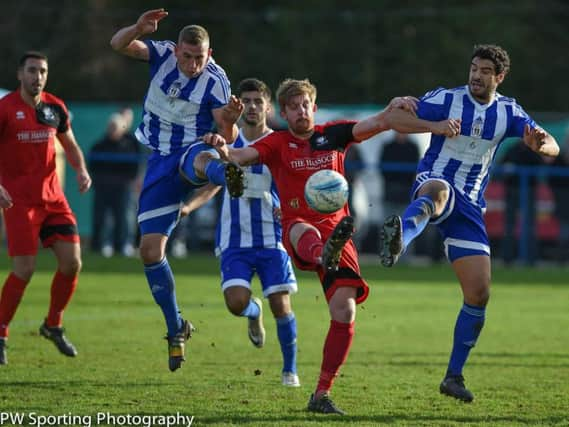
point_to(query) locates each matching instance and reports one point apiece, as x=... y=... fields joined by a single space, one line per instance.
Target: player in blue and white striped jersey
x=249 y=239
x=188 y=94
x=449 y=190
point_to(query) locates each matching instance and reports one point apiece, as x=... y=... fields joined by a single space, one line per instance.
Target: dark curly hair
x=254 y=85
x=494 y=53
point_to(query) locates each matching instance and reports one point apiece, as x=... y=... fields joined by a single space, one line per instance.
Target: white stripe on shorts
x=466 y=244
x=154 y=213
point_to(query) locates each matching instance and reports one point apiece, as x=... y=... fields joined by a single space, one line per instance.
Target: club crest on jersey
x=48 y=113
x=294 y=203
x=20 y=115
x=174 y=92
x=477 y=127
x=320 y=141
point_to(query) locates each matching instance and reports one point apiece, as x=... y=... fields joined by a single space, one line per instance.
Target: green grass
x=519 y=370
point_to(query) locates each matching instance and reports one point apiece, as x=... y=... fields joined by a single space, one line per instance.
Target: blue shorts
x=272 y=265
x=461 y=224
x=165 y=187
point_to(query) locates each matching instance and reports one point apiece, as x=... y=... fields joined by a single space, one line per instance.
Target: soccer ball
x=326 y=191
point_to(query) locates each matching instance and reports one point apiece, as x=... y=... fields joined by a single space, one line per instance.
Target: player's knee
x=200 y=162
x=440 y=199
x=280 y=311
x=478 y=297
x=71 y=267
x=236 y=306
x=439 y=194
x=482 y=297
x=280 y=304
x=25 y=272
x=344 y=313
x=151 y=254
x=236 y=299
x=342 y=305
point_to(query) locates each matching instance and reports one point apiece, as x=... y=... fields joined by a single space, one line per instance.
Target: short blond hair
x=290 y=87
x=193 y=34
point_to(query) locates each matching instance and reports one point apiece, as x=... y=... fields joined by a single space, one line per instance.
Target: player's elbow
x=397 y=119
x=553 y=152
x=114 y=44
x=553 y=149
x=117 y=44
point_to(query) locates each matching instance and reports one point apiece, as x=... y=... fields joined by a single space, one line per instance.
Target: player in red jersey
x=292 y=156
x=34 y=205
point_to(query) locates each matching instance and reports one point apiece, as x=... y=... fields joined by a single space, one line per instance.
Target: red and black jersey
x=292 y=161
x=27 y=147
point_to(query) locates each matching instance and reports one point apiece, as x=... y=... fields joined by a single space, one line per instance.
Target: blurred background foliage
x=359 y=52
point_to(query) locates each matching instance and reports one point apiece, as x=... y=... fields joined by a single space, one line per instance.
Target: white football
x=326 y=191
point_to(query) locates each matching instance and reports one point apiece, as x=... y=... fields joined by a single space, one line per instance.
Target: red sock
x=336 y=349
x=12 y=293
x=62 y=289
x=309 y=247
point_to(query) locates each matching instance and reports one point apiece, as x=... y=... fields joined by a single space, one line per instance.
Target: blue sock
x=416 y=217
x=252 y=310
x=161 y=282
x=466 y=331
x=286 y=331
x=215 y=172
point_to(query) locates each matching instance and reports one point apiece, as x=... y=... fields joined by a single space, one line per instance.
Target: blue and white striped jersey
x=177 y=109
x=249 y=221
x=465 y=161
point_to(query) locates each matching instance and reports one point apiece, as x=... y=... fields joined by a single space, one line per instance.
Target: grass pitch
x=519 y=371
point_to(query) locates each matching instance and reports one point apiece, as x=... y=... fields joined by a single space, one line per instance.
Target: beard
x=480 y=91
x=302 y=126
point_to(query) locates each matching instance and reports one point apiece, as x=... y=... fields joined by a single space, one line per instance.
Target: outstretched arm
x=200 y=197
x=125 y=40
x=400 y=116
x=75 y=158
x=242 y=156
x=405 y=122
x=540 y=141
x=377 y=123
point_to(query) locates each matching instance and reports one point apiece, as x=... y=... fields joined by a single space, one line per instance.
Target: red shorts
x=26 y=225
x=348 y=269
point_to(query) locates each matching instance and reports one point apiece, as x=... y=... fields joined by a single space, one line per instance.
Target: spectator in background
x=396 y=183
x=114 y=164
x=519 y=154
x=560 y=188
x=358 y=199
x=128 y=116
x=133 y=231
